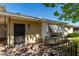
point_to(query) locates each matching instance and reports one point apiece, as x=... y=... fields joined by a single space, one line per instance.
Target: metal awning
x=57 y=29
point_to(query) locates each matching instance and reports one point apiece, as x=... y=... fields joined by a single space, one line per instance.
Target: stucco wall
x=68 y=30
x=2 y=31
x=2 y=27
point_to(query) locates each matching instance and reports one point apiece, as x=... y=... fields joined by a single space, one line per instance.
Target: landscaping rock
x=30 y=50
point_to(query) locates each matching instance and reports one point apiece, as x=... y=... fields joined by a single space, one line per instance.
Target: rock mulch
x=30 y=50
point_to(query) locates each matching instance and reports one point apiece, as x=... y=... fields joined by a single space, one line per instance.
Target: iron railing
x=64 y=47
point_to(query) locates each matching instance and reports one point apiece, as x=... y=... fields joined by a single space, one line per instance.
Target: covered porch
x=16 y=30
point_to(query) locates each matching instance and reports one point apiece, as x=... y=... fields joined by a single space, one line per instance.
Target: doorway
x=19 y=34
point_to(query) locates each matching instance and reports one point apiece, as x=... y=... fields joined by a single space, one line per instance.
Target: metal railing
x=69 y=51
x=64 y=47
x=19 y=40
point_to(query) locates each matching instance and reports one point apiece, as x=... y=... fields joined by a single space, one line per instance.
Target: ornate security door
x=19 y=33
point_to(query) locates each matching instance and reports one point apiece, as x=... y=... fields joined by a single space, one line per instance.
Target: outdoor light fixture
x=28 y=25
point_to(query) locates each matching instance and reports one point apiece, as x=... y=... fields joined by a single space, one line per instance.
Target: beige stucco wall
x=2 y=26
x=32 y=33
x=68 y=30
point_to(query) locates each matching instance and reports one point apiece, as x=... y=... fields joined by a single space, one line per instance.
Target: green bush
x=71 y=35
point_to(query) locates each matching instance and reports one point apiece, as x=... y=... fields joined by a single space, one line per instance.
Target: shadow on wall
x=33 y=38
x=30 y=39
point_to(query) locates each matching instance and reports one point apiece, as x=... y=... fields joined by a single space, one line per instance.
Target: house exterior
x=14 y=27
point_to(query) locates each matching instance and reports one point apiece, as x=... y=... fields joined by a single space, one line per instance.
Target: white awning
x=57 y=29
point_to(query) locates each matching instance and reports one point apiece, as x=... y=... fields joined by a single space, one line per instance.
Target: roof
x=76 y=26
x=29 y=17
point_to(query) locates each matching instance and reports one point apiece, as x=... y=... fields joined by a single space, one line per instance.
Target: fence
x=69 y=51
x=64 y=47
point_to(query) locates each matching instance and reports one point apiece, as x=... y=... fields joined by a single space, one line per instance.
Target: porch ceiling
x=19 y=17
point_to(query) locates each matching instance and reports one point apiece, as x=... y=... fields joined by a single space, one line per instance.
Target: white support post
x=10 y=34
x=62 y=28
x=26 y=35
x=44 y=30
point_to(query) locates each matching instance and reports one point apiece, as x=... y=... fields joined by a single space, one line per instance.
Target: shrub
x=71 y=35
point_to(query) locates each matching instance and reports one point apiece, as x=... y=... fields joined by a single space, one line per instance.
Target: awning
x=57 y=29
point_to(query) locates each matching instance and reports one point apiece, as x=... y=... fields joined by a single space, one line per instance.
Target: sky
x=34 y=9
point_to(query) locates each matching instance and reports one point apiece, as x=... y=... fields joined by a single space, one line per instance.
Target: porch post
x=44 y=27
x=63 y=35
x=26 y=34
x=10 y=34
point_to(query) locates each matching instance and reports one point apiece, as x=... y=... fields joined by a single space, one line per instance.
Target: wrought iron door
x=19 y=33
